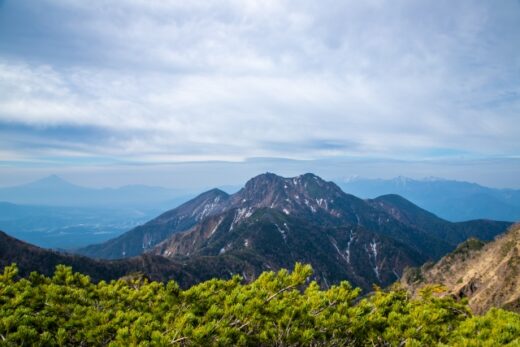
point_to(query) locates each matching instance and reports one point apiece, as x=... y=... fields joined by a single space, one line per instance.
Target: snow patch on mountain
x=283 y=232
x=333 y=242
x=351 y=237
x=216 y=226
x=373 y=248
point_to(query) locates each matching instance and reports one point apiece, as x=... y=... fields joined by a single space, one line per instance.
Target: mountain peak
x=402 y=180
x=269 y=183
x=395 y=198
x=271 y=179
x=215 y=192
x=299 y=194
x=262 y=179
x=309 y=177
x=275 y=220
x=51 y=181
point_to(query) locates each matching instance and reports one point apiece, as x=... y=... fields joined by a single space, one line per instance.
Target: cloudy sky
x=129 y=91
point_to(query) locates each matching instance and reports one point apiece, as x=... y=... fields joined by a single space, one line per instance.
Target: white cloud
x=236 y=79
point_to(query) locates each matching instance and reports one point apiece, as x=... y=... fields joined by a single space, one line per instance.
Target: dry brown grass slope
x=487 y=274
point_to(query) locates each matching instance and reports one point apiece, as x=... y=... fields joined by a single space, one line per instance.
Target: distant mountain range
x=487 y=274
x=55 y=191
x=451 y=200
x=274 y=222
x=54 y=213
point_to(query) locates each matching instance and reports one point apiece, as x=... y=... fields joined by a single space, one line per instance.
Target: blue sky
x=108 y=92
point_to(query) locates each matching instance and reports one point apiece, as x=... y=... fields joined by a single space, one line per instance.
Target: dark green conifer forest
x=277 y=309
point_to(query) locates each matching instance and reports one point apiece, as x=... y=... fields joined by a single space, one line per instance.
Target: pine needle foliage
x=278 y=309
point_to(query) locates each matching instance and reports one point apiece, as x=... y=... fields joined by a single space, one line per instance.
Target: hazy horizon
x=198 y=176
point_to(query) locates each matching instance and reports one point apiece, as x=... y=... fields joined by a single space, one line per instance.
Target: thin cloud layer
x=155 y=81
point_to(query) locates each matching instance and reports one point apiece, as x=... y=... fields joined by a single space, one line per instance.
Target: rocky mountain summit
x=273 y=222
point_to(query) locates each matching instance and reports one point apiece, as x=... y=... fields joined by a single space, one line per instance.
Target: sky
x=195 y=93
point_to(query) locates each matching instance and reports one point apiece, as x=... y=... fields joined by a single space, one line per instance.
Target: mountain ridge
x=452 y=200
x=307 y=220
x=56 y=191
x=306 y=195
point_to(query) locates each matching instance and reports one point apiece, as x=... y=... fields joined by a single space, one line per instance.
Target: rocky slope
x=336 y=252
x=144 y=237
x=453 y=233
x=307 y=197
x=487 y=274
x=275 y=221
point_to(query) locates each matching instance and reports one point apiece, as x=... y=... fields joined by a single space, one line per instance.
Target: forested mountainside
x=274 y=222
x=487 y=274
x=185 y=271
x=31 y=258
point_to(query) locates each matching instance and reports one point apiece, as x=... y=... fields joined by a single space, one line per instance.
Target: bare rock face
x=469 y=289
x=487 y=274
x=274 y=221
